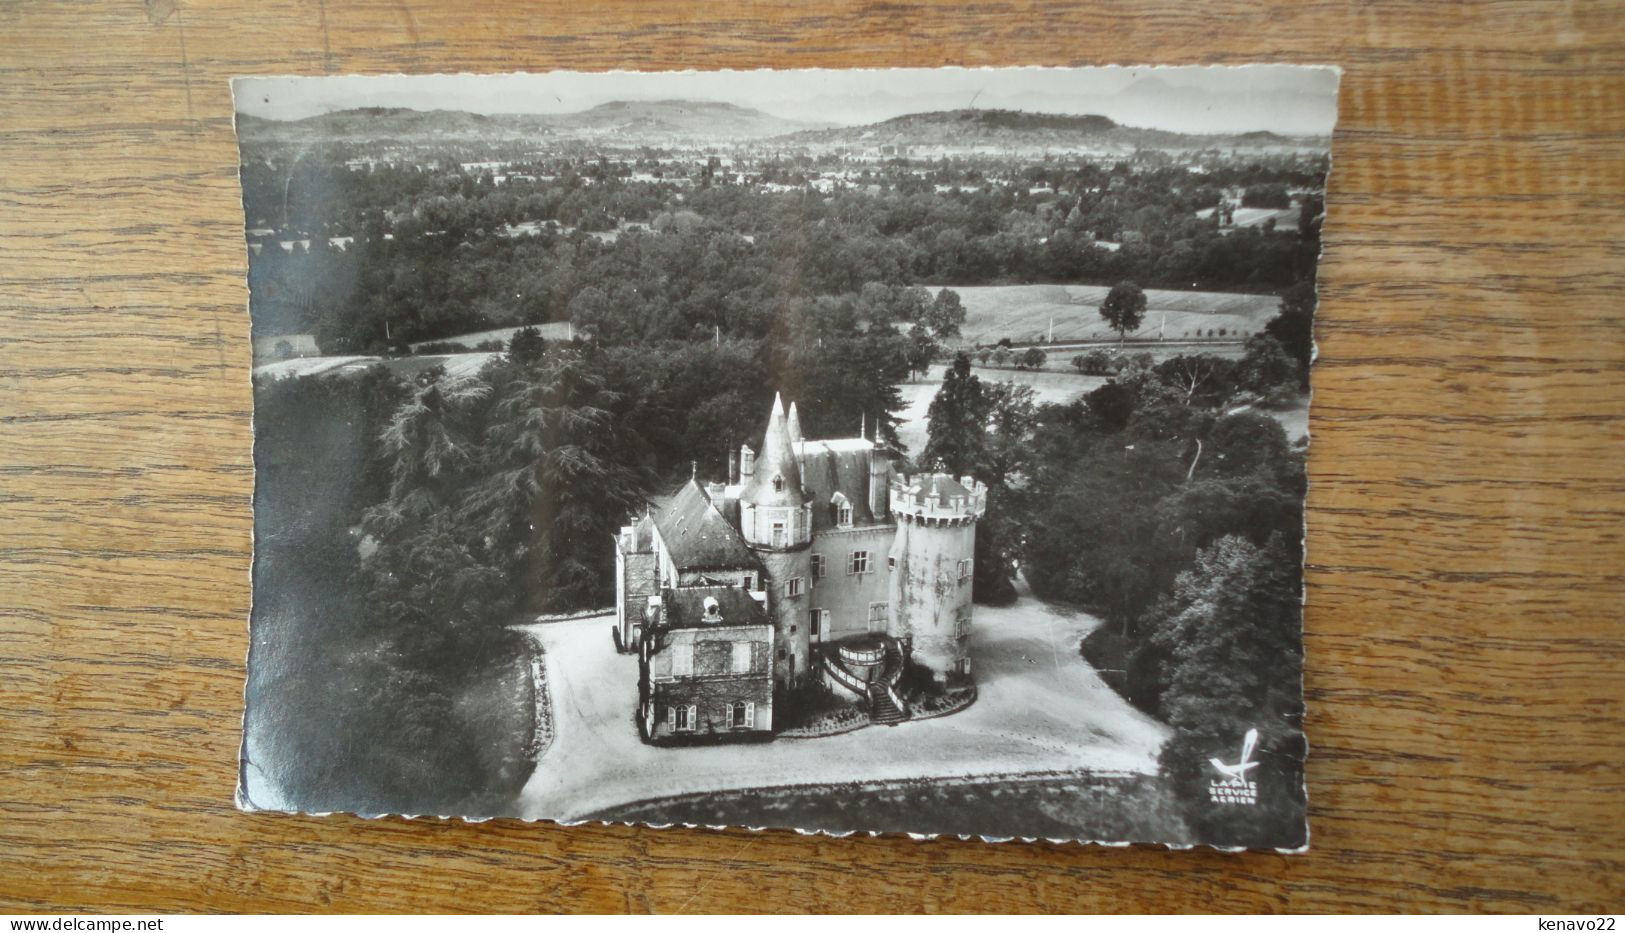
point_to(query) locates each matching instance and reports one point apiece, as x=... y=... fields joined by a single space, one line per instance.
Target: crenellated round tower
x=930 y=605
x=775 y=519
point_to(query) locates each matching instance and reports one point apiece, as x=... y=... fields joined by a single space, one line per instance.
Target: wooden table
x=1466 y=659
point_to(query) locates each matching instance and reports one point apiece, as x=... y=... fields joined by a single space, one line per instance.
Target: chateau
x=814 y=560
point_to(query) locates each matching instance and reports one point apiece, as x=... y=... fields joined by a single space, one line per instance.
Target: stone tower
x=775 y=520
x=930 y=592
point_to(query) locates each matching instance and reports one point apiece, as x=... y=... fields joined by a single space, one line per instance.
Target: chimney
x=879 y=485
x=747 y=461
x=733 y=468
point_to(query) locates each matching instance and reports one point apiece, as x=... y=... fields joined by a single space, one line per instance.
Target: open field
x=1284 y=217
x=1057 y=383
x=1041 y=709
x=553 y=331
x=1048 y=387
x=1023 y=313
x=458 y=365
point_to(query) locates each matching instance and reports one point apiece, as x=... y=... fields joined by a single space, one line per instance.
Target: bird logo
x=1237 y=773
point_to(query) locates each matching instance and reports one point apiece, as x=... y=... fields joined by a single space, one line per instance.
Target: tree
x=526 y=345
x=1033 y=359
x=1124 y=308
x=1266 y=368
x=1293 y=326
x=958 y=420
x=946 y=315
x=1196 y=375
x=1226 y=642
x=1094 y=363
x=922 y=349
x=1270 y=196
x=1001 y=356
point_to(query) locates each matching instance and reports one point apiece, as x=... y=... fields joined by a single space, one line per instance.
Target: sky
x=1283 y=98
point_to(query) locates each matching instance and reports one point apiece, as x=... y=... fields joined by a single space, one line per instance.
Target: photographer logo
x=1234 y=787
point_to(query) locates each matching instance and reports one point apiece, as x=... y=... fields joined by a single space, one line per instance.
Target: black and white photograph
x=872 y=451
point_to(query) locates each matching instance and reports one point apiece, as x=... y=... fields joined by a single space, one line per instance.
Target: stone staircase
x=877 y=686
x=883 y=708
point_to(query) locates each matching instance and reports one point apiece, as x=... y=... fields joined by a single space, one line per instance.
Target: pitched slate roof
x=698 y=537
x=842 y=466
x=685 y=606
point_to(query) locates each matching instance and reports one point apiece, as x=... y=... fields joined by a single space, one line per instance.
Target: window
x=817 y=567
x=742 y=715
x=818 y=620
x=891 y=563
x=778 y=534
x=741 y=657
x=877 y=615
x=778 y=483
x=681 y=718
x=748 y=582
x=682 y=660
x=859 y=563
x=843 y=510
x=964 y=570
x=792 y=587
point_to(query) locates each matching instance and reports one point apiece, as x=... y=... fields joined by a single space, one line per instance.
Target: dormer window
x=778 y=483
x=843 y=510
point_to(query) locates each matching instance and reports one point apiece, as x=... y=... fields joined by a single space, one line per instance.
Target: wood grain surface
x=1466 y=673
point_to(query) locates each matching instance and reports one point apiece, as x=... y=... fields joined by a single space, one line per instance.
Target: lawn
x=1022 y=313
x=1057 y=384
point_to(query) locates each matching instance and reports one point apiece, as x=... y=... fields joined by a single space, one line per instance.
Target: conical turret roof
x=794 y=424
x=777 y=480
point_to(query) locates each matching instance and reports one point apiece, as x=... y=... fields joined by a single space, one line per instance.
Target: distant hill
x=622 y=121
x=1017 y=129
x=679 y=118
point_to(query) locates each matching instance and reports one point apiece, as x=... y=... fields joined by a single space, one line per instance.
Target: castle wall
x=712 y=701
x=930 y=603
x=848 y=596
x=637 y=579
x=712 y=685
x=788 y=613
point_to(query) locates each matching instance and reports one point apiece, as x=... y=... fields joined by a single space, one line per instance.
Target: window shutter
x=693 y=717
x=671 y=717
x=750 y=715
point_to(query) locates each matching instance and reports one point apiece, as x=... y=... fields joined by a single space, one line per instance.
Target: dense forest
x=396 y=255
x=1177 y=520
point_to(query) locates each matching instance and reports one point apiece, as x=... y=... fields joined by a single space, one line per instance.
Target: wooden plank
x=1465 y=656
